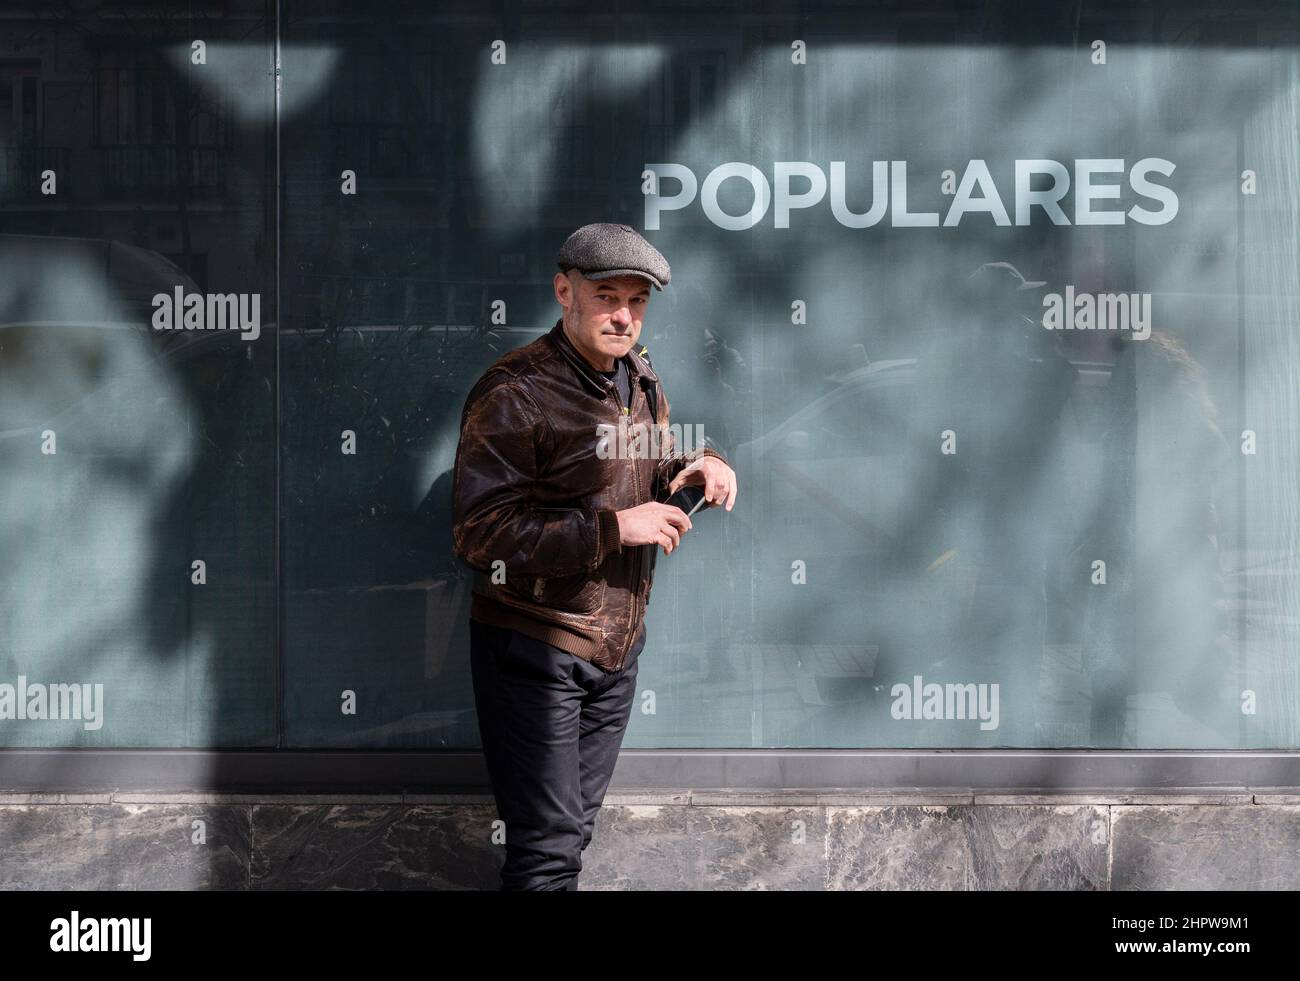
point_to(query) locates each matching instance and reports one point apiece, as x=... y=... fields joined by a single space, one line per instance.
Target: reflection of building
x=448 y=215
x=143 y=151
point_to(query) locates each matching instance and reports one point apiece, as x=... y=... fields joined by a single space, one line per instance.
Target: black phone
x=688 y=497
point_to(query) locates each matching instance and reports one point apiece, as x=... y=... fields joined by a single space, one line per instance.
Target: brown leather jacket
x=533 y=497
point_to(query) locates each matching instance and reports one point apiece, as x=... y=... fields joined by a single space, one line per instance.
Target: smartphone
x=689 y=497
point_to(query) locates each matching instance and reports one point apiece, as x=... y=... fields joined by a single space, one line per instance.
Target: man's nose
x=622 y=316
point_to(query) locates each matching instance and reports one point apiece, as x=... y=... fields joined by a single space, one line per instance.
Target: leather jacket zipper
x=635 y=591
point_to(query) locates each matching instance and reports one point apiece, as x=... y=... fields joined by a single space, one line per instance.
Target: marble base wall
x=684 y=840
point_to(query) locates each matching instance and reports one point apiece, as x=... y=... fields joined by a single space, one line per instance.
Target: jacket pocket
x=579 y=593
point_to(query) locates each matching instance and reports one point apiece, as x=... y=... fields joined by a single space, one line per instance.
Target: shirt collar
x=637 y=366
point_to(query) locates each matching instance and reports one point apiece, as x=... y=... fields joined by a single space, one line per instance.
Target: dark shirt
x=619 y=375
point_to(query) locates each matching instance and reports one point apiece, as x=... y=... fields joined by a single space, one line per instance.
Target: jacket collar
x=637 y=366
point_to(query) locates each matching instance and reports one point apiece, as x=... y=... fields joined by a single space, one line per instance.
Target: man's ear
x=561 y=283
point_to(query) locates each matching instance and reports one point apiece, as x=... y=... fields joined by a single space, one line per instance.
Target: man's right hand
x=653 y=523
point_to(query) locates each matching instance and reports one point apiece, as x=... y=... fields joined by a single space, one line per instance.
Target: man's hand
x=718 y=480
x=653 y=524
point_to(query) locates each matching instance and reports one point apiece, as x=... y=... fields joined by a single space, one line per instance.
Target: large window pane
x=137 y=549
x=1062 y=524
x=1083 y=537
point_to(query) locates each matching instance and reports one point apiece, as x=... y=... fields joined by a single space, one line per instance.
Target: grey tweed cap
x=605 y=249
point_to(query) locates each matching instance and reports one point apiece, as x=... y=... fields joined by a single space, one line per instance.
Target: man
x=560 y=524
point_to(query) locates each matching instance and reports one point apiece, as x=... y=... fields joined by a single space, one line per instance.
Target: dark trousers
x=551 y=725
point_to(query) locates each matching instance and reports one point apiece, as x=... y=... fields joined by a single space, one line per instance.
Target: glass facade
x=997 y=319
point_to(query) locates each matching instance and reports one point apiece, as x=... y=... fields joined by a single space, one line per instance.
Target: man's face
x=602 y=317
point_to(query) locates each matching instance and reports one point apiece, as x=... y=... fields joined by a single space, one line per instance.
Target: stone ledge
x=695 y=840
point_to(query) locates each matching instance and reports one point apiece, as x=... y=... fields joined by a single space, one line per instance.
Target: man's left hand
x=717 y=479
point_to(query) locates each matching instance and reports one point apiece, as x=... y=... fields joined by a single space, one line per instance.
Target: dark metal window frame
x=286 y=771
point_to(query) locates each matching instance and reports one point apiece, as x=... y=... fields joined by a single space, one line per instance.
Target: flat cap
x=603 y=250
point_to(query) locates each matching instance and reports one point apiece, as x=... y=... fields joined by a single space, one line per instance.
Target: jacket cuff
x=607 y=536
x=699 y=453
